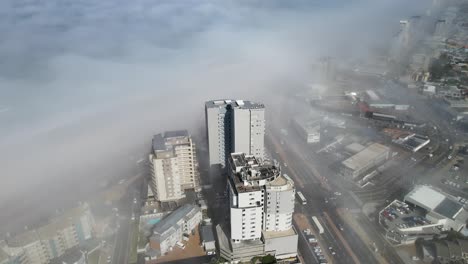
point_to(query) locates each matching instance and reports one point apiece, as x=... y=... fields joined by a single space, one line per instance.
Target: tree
x=268 y=259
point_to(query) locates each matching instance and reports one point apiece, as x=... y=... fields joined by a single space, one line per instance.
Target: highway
x=318 y=206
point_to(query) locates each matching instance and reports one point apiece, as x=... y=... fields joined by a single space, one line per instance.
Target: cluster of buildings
x=439 y=65
x=171 y=229
x=261 y=199
x=424 y=212
x=261 y=202
x=47 y=243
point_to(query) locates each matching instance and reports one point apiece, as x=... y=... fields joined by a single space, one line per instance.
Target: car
x=180 y=245
x=449 y=157
x=333 y=253
x=134 y=200
x=109 y=259
x=340 y=227
x=337 y=193
x=285 y=164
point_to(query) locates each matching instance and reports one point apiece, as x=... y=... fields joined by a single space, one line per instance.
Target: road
x=128 y=207
x=315 y=193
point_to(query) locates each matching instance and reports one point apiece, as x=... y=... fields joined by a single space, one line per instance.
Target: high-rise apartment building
x=234 y=126
x=173 y=165
x=261 y=209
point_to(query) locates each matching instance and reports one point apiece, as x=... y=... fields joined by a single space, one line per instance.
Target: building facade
x=234 y=126
x=261 y=208
x=364 y=161
x=170 y=229
x=174 y=166
x=48 y=242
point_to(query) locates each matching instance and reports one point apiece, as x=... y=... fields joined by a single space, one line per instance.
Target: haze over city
x=86 y=83
x=85 y=87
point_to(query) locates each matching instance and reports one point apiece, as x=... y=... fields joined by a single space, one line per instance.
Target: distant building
x=365 y=161
x=424 y=212
x=234 y=126
x=52 y=240
x=72 y=256
x=413 y=142
x=170 y=230
x=308 y=129
x=173 y=166
x=451 y=92
x=261 y=209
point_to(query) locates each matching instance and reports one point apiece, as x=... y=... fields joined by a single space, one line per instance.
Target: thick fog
x=84 y=84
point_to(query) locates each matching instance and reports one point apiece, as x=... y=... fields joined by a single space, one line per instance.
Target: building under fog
x=424 y=212
x=170 y=230
x=234 y=126
x=50 y=241
x=173 y=166
x=261 y=210
x=364 y=161
x=308 y=129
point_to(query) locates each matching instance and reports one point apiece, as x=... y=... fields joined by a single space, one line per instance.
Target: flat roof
x=448 y=208
x=234 y=103
x=276 y=234
x=207 y=233
x=167 y=140
x=425 y=196
x=354 y=147
x=362 y=158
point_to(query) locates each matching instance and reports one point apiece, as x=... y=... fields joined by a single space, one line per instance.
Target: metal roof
x=425 y=197
x=172 y=220
x=364 y=157
x=207 y=233
x=448 y=208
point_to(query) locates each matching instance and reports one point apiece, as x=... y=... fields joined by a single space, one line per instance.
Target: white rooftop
x=425 y=197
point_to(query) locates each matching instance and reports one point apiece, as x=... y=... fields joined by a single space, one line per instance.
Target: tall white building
x=173 y=165
x=261 y=208
x=234 y=126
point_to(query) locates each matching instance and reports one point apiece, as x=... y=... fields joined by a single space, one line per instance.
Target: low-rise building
x=169 y=230
x=413 y=142
x=424 y=212
x=364 y=161
x=308 y=129
x=208 y=240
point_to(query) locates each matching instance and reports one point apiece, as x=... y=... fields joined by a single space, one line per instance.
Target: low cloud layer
x=84 y=84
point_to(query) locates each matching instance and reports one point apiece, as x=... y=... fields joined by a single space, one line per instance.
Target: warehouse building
x=365 y=161
x=425 y=211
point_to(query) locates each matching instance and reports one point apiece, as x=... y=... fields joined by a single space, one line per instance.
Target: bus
x=317 y=225
x=301 y=198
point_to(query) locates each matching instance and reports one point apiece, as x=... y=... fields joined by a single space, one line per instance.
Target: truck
x=301 y=198
x=317 y=224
